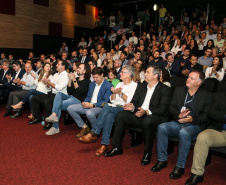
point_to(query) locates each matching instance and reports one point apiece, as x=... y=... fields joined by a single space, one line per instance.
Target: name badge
x=183 y=109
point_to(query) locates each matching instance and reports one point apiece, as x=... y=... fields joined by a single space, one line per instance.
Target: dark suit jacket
x=160 y=100
x=20 y=76
x=4 y=80
x=54 y=67
x=175 y=68
x=103 y=95
x=87 y=59
x=203 y=100
x=217 y=112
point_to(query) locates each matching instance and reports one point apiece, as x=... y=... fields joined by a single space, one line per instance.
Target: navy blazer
x=4 y=80
x=20 y=76
x=175 y=68
x=103 y=95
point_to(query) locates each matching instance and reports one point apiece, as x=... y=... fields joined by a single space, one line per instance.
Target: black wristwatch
x=94 y=105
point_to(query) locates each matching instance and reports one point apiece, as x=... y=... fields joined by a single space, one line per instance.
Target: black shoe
x=48 y=126
x=194 y=179
x=7 y=113
x=34 y=121
x=159 y=166
x=177 y=173
x=113 y=152
x=16 y=115
x=146 y=159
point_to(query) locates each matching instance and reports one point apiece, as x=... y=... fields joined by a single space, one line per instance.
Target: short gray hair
x=130 y=70
x=156 y=70
x=119 y=61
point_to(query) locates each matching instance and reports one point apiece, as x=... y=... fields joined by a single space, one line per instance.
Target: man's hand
x=87 y=105
x=182 y=64
x=33 y=75
x=188 y=119
x=8 y=76
x=128 y=106
x=184 y=113
x=140 y=112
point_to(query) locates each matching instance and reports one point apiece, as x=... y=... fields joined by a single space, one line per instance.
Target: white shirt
x=17 y=74
x=147 y=99
x=41 y=87
x=29 y=81
x=95 y=93
x=83 y=59
x=134 y=40
x=4 y=73
x=220 y=72
x=60 y=80
x=128 y=90
x=224 y=63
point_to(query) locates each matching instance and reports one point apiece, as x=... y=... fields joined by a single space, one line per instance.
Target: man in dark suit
x=6 y=70
x=214 y=136
x=148 y=108
x=84 y=58
x=192 y=65
x=188 y=111
x=54 y=64
x=173 y=66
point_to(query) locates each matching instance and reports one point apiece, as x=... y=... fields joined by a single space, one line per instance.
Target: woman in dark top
x=77 y=90
x=194 y=47
x=210 y=44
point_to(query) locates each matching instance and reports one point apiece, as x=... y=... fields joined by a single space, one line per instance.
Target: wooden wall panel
x=17 y=31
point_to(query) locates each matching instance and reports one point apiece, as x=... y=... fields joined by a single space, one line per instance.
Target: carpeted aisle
x=29 y=157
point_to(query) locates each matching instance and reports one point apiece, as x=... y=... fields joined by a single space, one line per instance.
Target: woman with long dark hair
x=139 y=72
x=216 y=71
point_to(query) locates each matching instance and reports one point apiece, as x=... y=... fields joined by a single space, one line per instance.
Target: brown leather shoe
x=88 y=138
x=83 y=132
x=101 y=151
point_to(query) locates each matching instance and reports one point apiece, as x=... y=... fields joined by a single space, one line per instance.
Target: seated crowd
x=124 y=81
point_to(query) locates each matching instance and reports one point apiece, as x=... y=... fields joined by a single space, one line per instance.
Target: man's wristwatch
x=94 y=105
x=121 y=95
x=74 y=81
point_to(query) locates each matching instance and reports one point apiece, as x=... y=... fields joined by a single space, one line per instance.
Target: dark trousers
x=147 y=123
x=6 y=89
x=46 y=100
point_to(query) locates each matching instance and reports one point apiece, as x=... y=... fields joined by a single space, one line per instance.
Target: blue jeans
x=105 y=121
x=186 y=133
x=91 y=114
x=61 y=102
x=29 y=95
x=161 y=19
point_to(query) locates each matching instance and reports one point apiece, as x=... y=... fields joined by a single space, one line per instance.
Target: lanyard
x=185 y=101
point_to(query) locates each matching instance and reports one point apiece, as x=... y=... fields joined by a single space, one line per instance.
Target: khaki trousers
x=206 y=139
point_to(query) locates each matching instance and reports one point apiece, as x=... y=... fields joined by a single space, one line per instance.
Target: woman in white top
x=177 y=47
x=46 y=72
x=95 y=57
x=216 y=71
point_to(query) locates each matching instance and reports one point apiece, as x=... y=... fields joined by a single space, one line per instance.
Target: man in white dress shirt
x=58 y=84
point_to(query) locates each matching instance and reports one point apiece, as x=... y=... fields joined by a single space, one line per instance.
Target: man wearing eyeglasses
x=206 y=60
